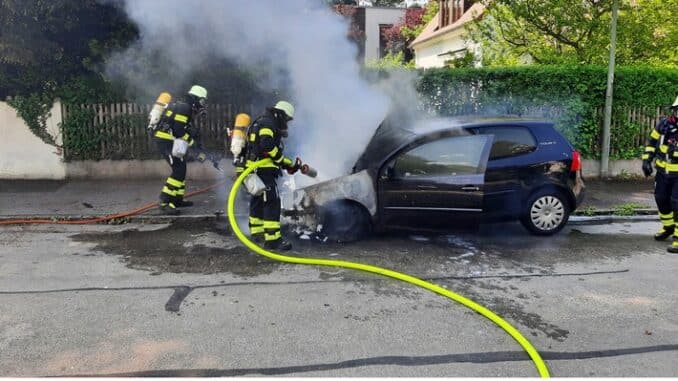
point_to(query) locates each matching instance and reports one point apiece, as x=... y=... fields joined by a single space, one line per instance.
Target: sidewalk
x=73 y=199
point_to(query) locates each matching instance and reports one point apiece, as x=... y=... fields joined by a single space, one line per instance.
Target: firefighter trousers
x=666 y=196
x=265 y=209
x=175 y=186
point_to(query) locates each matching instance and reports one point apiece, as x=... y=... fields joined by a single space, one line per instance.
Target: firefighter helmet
x=198 y=92
x=285 y=107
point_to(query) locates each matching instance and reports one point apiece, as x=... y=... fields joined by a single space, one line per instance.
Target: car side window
x=458 y=155
x=510 y=141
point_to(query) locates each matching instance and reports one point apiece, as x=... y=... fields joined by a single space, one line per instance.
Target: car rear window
x=510 y=141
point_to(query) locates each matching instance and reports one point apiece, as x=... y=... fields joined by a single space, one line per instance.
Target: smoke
x=297 y=48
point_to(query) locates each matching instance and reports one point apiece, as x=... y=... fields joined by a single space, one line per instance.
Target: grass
x=588 y=211
x=628 y=209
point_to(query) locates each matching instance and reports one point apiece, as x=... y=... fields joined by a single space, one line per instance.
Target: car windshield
x=393 y=134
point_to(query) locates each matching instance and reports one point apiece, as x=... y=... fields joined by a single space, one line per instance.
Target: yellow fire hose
x=531 y=351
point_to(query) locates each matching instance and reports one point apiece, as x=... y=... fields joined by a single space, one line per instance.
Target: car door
x=509 y=165
x=436 y=184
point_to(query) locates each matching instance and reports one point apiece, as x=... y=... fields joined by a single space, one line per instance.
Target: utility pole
x=605 y=157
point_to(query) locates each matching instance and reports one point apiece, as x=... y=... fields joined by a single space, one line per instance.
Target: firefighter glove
x=295 y=167
x=647 y=168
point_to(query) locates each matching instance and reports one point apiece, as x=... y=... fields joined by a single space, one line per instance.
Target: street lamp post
x=605 y=157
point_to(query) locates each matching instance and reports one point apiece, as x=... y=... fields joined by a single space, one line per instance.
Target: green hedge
x=571 y=96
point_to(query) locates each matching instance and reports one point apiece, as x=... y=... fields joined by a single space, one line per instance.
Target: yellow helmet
x=285 y=107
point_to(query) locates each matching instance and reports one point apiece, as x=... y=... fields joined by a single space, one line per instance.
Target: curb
x=614 y=212
x=609 y=219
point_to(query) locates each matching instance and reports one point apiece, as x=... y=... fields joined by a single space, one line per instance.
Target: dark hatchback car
x=448 y=173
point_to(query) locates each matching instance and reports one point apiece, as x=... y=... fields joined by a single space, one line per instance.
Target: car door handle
x=427 y=187
x=470 y=188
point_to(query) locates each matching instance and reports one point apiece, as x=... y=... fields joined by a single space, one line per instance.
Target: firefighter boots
x=169 y=209
x=664 y=233
x=183 y=204
x=279 y=244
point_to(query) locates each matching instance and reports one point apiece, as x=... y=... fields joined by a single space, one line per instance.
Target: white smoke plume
x=303 y=44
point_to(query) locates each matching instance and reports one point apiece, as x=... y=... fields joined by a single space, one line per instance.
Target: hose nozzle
x=308 y=171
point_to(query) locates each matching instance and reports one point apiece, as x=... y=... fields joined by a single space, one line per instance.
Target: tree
x=46 y=43
x=400 y=36
x=386 y=3
x=566 y=31
x=354 y=34
x=342 y=2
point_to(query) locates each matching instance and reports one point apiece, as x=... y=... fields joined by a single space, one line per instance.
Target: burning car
x=446 y=173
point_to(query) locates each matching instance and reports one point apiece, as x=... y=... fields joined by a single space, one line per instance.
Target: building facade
x=445 y=38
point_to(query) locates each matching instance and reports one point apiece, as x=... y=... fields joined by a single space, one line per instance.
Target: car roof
x=394 y=133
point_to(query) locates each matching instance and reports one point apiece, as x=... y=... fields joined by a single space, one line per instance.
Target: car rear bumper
x=578 y=189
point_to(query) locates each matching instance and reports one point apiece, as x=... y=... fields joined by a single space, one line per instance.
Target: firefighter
x=265 y=143
x=662 y=147
x=175 y=124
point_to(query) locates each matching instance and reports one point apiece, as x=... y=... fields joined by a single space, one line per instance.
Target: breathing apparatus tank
x=239 y=137
x=156 y=111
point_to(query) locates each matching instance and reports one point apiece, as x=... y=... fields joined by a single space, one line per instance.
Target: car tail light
x=576 y=162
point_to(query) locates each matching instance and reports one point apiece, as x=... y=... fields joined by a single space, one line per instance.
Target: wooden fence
x=118 y=130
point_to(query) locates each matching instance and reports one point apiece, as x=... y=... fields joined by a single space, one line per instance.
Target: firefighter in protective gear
x=662 y=147
x=264 y=142
x=176 y=124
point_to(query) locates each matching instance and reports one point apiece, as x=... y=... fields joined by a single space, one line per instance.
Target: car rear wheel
x=546 y=212
x=344 y=221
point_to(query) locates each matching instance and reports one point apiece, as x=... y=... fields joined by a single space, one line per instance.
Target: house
x=445 y=38
x=371 y=21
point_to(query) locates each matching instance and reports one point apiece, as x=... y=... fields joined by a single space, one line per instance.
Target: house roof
x=432 y=30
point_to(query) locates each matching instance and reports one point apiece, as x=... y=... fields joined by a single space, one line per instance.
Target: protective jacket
x=264 y=142
x=175 y=123
x=662 y=145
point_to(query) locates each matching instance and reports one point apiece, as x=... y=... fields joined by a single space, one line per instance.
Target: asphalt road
x=188 y=300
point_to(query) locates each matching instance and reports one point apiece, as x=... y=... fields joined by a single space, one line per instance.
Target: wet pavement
x=186 y=299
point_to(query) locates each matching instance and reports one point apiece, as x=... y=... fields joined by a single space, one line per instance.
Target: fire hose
x=513 y=332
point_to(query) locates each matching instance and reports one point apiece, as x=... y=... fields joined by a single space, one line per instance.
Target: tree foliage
x=44 y=44
x=565 y=31
x=386 y=3
x=400 y=36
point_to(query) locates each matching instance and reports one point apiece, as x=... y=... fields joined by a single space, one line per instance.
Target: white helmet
x=675 y=103
x=198 y=92
x=285 y=107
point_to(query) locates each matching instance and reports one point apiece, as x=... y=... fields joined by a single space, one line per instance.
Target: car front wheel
x=344 y=221
x=545 y=213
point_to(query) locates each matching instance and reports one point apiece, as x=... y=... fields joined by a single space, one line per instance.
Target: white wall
x=427 y=54
x=374 y=17
x=22 y=154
